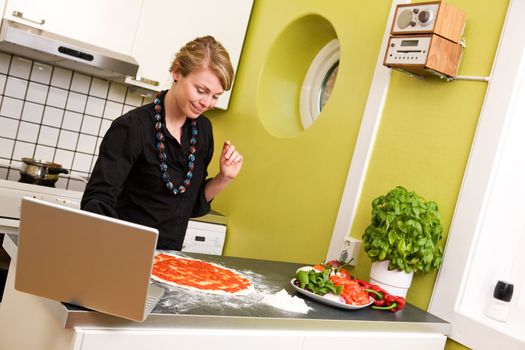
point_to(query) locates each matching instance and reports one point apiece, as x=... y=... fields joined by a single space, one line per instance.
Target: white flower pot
x=394 y=282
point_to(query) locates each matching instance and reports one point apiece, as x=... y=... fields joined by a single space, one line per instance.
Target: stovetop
x=11 y=193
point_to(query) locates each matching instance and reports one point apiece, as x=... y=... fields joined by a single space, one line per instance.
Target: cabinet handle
x=21 y=16
x=146 y=81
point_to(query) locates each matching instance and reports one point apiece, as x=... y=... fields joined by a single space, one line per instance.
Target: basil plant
x=405 y=230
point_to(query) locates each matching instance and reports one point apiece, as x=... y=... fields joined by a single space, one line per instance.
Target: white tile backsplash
x=6 y=147
x=28 y=132
x=95 y=106
x=64 y=158
x=61 y=78
x=57 y=97
x=82 y=162
x=3 y=79
x=37 y=92
x=48 y=136
x=15 y=87
x=80 y=83
x=86 y=143
x=90 y=125
x=23 y=149
x=55 y=114
x=76 y=102
x=41 y=73
x=44 y=153
x=99 y=88
x=127 y=108
x=8 y=127
x=20 y=67
x=97 y=147
x=104 y=126
x=72 y=121
x=32 y=112
x=113 y=110
x=11 y=107
x=67 y=139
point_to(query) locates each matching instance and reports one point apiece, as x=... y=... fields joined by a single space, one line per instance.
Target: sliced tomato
x=345 y=274
x=354 y=294
x=318 y=267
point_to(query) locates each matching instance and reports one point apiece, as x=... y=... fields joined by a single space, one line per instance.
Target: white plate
x=330 y=302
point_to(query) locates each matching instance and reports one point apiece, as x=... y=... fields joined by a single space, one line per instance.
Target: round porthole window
x=319 y=82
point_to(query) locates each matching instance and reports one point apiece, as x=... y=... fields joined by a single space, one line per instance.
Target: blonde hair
x=204 y=52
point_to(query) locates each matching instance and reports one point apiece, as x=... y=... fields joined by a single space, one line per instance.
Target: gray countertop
x=188 y=309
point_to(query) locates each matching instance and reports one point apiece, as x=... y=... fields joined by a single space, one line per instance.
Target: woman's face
x=198 y=92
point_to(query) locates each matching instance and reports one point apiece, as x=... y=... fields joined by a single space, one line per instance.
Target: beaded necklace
x=160 y=137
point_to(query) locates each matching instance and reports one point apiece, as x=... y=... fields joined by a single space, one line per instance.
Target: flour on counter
x=283 y=300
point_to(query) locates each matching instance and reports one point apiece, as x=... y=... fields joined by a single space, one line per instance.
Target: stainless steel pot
x=39 y=172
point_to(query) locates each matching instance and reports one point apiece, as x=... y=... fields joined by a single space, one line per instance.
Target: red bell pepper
x=393 y=303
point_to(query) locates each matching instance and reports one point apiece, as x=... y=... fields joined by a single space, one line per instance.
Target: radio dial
x=424 y=16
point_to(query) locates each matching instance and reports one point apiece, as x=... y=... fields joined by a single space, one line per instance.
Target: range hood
x=46 y=47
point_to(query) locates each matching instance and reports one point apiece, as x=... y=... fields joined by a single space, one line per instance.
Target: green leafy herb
x=406 y=230
x=317 y=282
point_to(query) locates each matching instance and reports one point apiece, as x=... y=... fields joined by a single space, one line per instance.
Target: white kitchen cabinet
x=194 y=339
x=108 y=24
x=165 y=26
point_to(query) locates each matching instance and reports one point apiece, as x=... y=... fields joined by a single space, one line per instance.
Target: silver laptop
x=86 y=259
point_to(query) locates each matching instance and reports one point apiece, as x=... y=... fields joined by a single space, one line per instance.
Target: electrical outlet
x=351 y=248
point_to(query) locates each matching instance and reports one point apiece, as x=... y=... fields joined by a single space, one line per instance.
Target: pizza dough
x=199 y=275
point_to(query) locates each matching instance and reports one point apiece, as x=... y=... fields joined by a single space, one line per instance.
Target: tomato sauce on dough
x=198 y=274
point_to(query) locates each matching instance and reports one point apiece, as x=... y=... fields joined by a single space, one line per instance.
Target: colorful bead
x=160 y=137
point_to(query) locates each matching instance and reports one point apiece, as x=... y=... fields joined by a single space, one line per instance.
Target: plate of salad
x=331 y=285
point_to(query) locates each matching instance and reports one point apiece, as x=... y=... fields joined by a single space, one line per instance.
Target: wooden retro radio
x=425 y=39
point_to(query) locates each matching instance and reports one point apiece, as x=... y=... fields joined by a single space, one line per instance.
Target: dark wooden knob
x=423 y=16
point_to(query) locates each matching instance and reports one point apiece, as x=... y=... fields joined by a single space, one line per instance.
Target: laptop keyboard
x=151 y=301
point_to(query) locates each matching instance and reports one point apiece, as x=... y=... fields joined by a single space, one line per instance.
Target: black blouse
x=126 y=180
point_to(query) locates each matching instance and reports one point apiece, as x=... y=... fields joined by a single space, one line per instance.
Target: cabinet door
x=166 y=25
x=110 y=24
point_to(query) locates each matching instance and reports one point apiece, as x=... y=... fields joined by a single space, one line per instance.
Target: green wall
x=284 y=204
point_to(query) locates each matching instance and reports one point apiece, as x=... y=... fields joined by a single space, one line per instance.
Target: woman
x=152 y=164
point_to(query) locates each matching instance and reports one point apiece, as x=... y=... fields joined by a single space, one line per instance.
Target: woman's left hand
x=230 y=162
